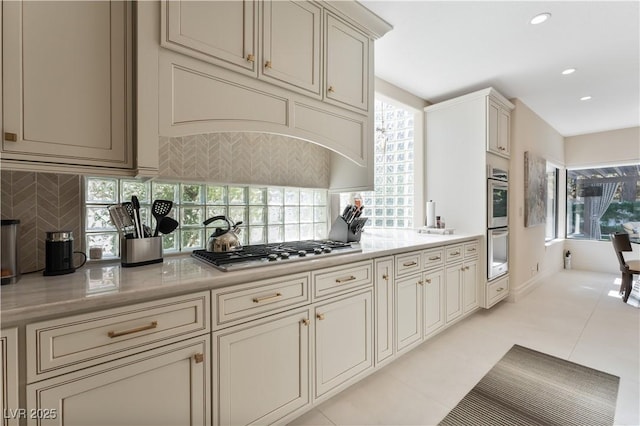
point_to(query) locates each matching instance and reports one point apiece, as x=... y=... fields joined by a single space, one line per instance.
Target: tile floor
x=574 y=315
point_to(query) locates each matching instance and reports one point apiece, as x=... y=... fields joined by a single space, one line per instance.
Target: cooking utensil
x=136 y=216
x=223 y=239
x=167 y=225
x=346 y=211
x=160 y=209
x=121 y=219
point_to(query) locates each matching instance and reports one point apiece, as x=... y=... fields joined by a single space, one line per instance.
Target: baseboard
x=527 y=287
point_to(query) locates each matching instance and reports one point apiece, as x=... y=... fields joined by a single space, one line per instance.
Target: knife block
x=140 y=251
x=343 y=232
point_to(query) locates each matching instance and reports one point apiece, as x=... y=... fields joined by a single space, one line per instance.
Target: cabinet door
x=498 y=128
x=9 y=376
x=409 y=321
x=67 y=82
x=262 y=371
x=383 y=286
x=471 y=291
x=166 y=386
x=291 y=45
x=343 y=346
x=220 y=32
x=453 y=293
x=433 y=301
x=346 y=65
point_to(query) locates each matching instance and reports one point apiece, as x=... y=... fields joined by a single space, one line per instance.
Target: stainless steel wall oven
x=497 y=222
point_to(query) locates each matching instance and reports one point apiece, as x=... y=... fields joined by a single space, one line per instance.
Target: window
x=551 y=231
x=391 y=204
x=269 y=214
x=600 y=200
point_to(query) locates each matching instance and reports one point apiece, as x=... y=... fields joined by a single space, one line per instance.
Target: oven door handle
x=499 y=232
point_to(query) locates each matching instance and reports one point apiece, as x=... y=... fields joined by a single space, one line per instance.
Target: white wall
x=530 y=258
x=615 y=147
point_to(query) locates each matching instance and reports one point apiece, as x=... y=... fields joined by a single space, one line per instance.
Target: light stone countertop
x=105 y=285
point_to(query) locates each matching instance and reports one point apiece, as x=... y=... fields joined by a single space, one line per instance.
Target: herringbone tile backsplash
x=52 y=202
x=42 y=202
x=245 y=158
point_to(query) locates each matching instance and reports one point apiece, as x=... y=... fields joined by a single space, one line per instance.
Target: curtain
x=599 y=206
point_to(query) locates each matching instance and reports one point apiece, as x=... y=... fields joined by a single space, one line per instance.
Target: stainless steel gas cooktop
x=252 y=256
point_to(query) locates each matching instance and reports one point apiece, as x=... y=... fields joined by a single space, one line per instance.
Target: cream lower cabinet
x=433 y=301
x=409 y=311
x=461 y=289
x=9 y=377
x=470 y=288
x=261 y=369
x=384 y=302
x=343 y=341
x=169 y=385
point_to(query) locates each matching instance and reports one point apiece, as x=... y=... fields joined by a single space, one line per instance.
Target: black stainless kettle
x=225 y=237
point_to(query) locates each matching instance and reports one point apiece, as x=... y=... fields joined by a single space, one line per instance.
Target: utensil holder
x=140 y=251
x=347 y=232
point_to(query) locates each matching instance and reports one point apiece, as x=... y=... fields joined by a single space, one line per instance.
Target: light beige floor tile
x=312 y=418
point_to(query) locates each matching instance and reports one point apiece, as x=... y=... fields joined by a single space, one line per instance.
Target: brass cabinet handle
x=151 y=326
x=251 y=57
x=428 y=280
x=421 y=282
x=412 y=263
x=10 y=137
x=305 y=321
x=198 y=358
x=434 y=258
x=331 y=89
x=320 y=316
x=385 y=277
x=267 y=64
x=501 y=148
x=499 y=290
x=266 y=298
x=344 y=280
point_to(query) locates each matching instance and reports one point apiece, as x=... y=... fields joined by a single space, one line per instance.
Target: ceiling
x=442 y=49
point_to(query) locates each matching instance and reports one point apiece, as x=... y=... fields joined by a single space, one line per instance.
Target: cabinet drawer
x=66 y=344
x=432 y=258
x=238 y=303
x=454 y=253
x=408 y=263
x=337 y=280
x=497 y=291
x=471 y=249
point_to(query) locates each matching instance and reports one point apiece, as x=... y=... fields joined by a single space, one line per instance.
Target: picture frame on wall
x=535 y=189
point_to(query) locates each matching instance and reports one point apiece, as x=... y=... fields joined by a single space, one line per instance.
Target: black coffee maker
x=59 y=253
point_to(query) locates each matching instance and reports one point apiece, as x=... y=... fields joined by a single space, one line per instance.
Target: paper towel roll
x=431 y=214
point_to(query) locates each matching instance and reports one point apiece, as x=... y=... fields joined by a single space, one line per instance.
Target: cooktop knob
x=326 y=249
x=284 y=255
x=302 y=253
x=317 y=250
x=272 y=257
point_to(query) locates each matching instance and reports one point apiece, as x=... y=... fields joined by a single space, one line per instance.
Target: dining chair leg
x=625 y=286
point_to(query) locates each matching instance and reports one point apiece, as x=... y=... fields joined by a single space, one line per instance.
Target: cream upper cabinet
x=9 y=376
x=66 y=77
x=498 y=128
x=290 y=53
x=346 y=65
x=221 y=32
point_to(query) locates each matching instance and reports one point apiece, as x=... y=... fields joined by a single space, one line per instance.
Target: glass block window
x=391 y=204
x=268 y=214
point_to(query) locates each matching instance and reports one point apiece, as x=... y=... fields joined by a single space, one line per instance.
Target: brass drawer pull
x=266 y=298
x=10 y=137
x=305 y=322
x=151 y=326
x=412 y=263
x=320 y=316
x=434 y=258
x=455 y=253
x=198 y=358
x=344 y=280
x=472 y=249
x=499 y=290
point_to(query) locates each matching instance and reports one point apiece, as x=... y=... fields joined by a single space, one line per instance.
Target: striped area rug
x=527 y=387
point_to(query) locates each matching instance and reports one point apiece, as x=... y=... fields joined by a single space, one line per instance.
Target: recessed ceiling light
x=540 y=18
x=568 y=71
x=585 y=98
